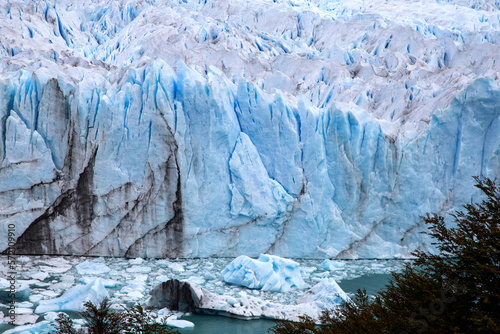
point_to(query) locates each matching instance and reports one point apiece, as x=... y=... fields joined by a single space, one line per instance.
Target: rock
x=175 y=295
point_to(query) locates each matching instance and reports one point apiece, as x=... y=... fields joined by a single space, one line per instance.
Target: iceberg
x=74 y=298
x=268 y=273
x=327 y=294
x=190 y=297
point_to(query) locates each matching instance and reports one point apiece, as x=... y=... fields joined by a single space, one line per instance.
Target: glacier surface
x=301 y=128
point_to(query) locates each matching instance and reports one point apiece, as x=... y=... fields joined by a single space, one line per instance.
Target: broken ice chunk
x=74 y=298
x=92 y=268
x=332 y=265
x=268 y=273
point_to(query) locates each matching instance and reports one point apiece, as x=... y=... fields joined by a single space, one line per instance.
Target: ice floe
x=268 y=273
x=74 y=298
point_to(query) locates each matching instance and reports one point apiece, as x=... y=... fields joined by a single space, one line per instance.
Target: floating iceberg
x=74 y=298
x=92 y=268
x=268 y=273
x=332 y=265
x=174 y=322
x=327 y=294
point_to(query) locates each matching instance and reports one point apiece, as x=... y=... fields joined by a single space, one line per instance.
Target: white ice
x=74 y=298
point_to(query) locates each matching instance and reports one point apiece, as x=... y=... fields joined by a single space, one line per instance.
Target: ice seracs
x=302 y=128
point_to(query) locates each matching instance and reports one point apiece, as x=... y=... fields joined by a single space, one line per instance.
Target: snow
x=268 y=273
x=74 y=298
x=304 y=129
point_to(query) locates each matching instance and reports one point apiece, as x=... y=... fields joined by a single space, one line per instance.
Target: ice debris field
x=48 y=285
x=300 y=128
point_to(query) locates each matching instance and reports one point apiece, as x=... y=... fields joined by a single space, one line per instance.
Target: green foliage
x=140 y=321
x=101 y=319
x=65 y=325
x=456 y=291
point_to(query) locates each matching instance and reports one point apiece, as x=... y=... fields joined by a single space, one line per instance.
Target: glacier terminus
x=198 y=128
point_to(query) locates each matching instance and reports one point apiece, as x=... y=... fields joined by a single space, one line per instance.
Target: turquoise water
x=207 y=324
x=221 y=325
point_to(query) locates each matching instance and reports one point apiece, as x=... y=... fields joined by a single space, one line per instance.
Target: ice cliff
x=218 y=128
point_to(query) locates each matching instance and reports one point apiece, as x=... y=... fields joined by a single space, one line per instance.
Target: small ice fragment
x=92 y=268
x=41 y=275
x=175 y=266
x=108 y=283
x=135 y=295
x=136 y=261
x=332 y=265
x=196 y=280
x=23 y=259
x=138 y=269
x=180 y=323
x=162 y=278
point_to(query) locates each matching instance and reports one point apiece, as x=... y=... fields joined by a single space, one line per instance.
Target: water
x=208 y=324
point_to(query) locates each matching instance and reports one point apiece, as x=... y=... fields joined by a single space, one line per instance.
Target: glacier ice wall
x=217 y=128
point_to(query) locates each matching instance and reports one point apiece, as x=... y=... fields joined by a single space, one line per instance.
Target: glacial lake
x=49 y=277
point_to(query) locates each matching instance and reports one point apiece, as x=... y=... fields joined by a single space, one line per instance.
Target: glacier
x=300 y=128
